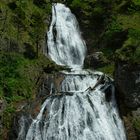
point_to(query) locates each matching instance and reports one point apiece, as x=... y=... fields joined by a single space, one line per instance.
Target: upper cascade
x=65 y=44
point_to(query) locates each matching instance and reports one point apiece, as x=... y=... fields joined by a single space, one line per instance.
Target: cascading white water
x=65 y=45
x=83 y=110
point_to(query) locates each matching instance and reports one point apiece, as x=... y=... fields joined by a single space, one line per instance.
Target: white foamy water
x=65 y=45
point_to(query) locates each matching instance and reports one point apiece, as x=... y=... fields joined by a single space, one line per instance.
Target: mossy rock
x=136 y=125
x=107 y=69
x=95 y=60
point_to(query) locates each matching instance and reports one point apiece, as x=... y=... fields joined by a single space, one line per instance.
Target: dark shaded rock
x=21 y=124
x=95 y=60
x=2 y=105
x=113 y=41
x=108 y=93
x=29 y=51
x=136 y=113
x=50 y=85
x=2 y=108
x=136 y=122
x=130 y=130
x=127 y=81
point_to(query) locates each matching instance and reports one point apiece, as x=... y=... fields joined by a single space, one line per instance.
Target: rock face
x=95 y=60
x=127 y=79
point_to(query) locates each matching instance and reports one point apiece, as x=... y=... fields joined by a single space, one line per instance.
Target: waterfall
x=65 y=45
x=85 y=107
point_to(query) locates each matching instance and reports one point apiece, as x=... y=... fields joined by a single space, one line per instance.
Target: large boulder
x=95 y=60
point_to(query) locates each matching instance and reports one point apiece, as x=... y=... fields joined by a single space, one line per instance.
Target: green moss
x=113 y=28
x=10 y=76
x=134 y=34
x=7 y=116
x=7 y=119
x=130 y=51
x=108 y=52
x=24 y=21
x=136 y=124
x=108 y=69
x=18 y=75
x=130 y=54
x=136 y=2
x=129 y=21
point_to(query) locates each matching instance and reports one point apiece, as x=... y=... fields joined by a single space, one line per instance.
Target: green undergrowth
x=19 y=75
x=130 y=22
x=136 y=124
x=130 y=51
x=108 y=69
x=24 y=21
x=121 y=40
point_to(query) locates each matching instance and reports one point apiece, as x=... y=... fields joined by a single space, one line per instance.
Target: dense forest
x=108 y=26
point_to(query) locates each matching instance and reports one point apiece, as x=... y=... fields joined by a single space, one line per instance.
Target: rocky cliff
x=127 y=80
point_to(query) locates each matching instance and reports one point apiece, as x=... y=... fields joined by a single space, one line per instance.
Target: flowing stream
x=85 y=107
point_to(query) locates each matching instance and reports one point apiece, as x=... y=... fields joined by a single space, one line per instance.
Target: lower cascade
x=84 y=107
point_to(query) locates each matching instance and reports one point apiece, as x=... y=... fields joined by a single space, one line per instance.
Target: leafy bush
x=24 y=21
x=130 y=52
x=11 y=80
x=113 y=28
x=109 y=69
x=136 y=123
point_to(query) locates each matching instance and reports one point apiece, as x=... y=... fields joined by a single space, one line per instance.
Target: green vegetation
x=92 y=13
x=136 y=123
x=109 y=69
x=18 y=75
x=23 y=21
x=22 y=35
x=130 y=51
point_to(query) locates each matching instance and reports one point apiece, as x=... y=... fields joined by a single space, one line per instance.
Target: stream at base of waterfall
x=85 y=107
